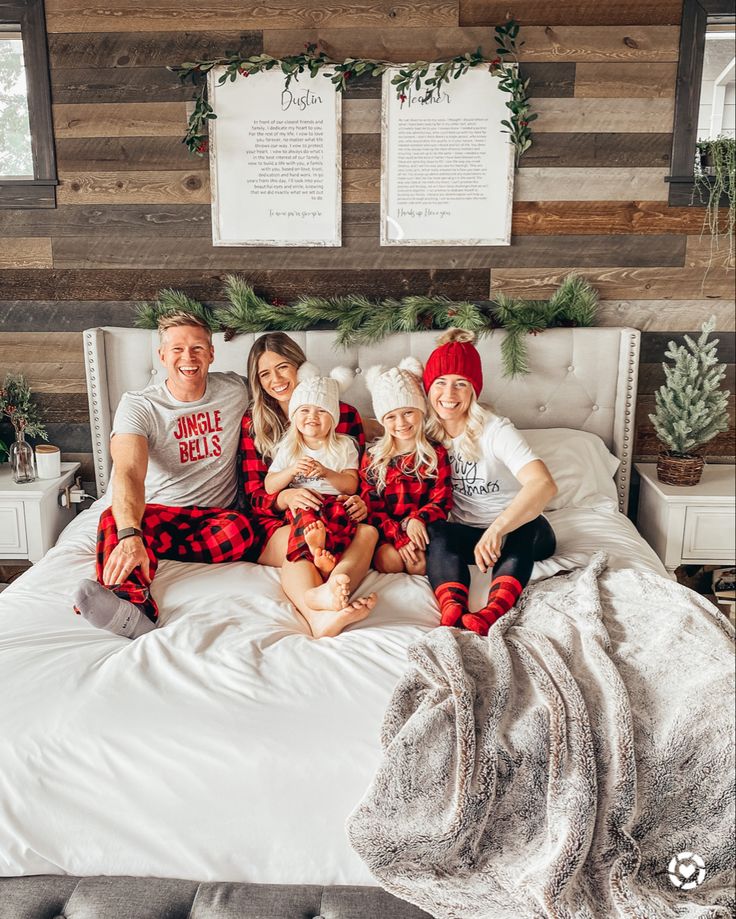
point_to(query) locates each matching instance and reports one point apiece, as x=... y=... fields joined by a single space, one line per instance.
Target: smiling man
x=174 y=448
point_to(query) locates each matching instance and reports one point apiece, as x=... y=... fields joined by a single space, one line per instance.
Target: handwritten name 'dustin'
x=198 y=436
x=300 y=100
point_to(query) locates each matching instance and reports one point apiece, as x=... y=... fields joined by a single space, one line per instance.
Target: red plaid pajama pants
x=340 y=529
x=182 y=534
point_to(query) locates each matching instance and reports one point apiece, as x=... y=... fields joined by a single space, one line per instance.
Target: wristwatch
x=129 y=531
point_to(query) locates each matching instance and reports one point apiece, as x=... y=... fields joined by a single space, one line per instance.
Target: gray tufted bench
x=64 y=897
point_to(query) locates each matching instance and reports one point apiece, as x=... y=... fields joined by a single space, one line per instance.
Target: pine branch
x=574 y=301
x=514 y=354
x=173 y=301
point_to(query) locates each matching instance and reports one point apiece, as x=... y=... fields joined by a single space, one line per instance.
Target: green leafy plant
x=416 y=76
x=3 y=452
x=16 y=404
x=360 y=320
x=715 y=176
x=691 y=408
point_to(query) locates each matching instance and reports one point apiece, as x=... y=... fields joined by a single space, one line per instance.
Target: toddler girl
x=311 y=455
x=405 y=479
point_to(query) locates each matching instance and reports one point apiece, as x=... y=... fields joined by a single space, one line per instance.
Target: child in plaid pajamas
x=405 y=480
x=311 y=455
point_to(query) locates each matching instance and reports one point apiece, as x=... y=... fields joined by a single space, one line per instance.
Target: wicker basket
x=679 y=470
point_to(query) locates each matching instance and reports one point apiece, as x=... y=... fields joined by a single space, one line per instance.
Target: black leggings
x=451 y=546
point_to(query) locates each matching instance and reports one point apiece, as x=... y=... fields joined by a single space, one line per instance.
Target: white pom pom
x=307 y=371
x=344 y=377
x=372 y=374
x=413 y=365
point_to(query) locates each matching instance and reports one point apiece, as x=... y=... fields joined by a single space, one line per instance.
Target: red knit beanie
x=456 y=357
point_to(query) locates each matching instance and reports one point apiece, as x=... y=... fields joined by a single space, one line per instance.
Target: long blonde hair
x=268 y=423
x=384 y=450
x=293 y=442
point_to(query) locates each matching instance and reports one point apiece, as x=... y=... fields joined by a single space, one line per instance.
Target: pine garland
x=359 y=320
x=16 y=404
x=690 y=406
x=411 y=76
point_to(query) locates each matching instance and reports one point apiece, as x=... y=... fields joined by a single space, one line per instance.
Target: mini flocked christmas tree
x=690 y=406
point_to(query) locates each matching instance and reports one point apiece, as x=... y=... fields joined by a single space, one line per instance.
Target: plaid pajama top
x=254 y=467
x=407 y=496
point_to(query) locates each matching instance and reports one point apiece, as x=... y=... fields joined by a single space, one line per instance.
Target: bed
x=212 y=765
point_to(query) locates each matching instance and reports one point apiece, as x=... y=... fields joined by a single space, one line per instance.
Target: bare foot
x=333 y=595
x=315 y=535
x=324 y=625
x=324 y=561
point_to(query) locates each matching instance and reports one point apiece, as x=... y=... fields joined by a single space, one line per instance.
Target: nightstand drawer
x=13 y=540
x=709 y=533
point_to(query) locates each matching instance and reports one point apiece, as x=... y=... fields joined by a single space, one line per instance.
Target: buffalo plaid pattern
x=253 y=467
x=183 y=534
x=340 y=529
x=407 y=496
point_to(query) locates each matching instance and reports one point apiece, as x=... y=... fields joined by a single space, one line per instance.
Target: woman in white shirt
x=500 y=489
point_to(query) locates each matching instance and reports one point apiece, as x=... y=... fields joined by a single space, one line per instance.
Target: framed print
x=447 y=167
x=275 y=161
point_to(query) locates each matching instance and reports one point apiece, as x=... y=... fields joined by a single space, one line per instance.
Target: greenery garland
x=411 y=75
x=359 y=320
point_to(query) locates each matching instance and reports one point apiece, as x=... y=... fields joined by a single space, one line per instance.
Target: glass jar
x=21 y=459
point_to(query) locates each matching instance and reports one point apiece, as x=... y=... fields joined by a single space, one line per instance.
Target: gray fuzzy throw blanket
x=559 y=766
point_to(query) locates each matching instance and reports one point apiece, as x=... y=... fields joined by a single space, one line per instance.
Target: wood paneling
x=136 y=119
x=361 y=116
x=93 y=85
x=589 y=184
x=570 y=12
x=64 y=315
x=581 y=217
x=100 y=154
x=541 y=43
x=110 y=220
x=665 y=314
x=626 y=81
x=365 y=253
x=185 y=15
x=25 y=252
x=134 y=187
x=583 y=150
x=643 y=116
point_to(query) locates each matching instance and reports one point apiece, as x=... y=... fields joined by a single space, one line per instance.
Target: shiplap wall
x=133 y=214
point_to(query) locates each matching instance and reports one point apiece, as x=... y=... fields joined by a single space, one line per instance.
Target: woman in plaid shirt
x=405 y=480
x=273 y=362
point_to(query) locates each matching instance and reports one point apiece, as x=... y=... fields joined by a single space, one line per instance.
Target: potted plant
x=16 y=403
x=691 y=408
x=715 y=177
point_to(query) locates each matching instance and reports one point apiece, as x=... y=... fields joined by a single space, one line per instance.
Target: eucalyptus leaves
x=360 y=320
x=421 y=75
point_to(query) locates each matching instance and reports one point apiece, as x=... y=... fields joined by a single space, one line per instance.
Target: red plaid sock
x=504 y=592
x=453 y=600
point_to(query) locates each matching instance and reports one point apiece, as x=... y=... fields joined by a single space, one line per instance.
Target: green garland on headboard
x=360 y=320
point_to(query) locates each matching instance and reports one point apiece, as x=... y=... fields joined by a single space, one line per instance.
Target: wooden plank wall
x=133 y=214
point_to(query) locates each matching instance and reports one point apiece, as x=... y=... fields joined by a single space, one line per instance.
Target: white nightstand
x=30 y=516
x=689 y=525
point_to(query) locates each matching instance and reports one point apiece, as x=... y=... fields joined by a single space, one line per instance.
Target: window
x=27 y=159
x=704 y=105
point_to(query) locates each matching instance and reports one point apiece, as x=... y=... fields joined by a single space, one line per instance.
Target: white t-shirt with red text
x=192 y=446
x=482 y=488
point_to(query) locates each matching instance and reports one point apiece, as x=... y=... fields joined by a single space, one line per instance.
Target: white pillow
x=581 y=465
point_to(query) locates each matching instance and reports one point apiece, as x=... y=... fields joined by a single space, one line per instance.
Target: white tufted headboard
x=580 y=378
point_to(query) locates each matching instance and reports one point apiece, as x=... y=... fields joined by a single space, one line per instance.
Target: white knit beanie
x=396 y=387
x=313 y=389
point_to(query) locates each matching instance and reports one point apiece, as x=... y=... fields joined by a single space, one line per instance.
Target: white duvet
x=225 y=745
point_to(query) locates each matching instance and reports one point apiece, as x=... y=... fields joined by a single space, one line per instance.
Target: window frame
x=40 y=191
x=687 y=99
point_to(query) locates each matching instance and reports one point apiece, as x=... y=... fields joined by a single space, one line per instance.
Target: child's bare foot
x=333 y=595
x=324 y=625
x=324 y=561
x=315 y=536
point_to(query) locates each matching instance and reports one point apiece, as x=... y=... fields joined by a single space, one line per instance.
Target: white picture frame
x=275 y=160
x=447 y=167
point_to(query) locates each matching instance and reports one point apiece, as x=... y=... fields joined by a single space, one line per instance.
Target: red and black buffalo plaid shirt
x=254 y=467
x=407 y=496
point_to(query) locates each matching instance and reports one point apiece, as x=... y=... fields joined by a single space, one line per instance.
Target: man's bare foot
x=315 y=536
x=333 y=595
x=326 y=625
x=324 y=561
